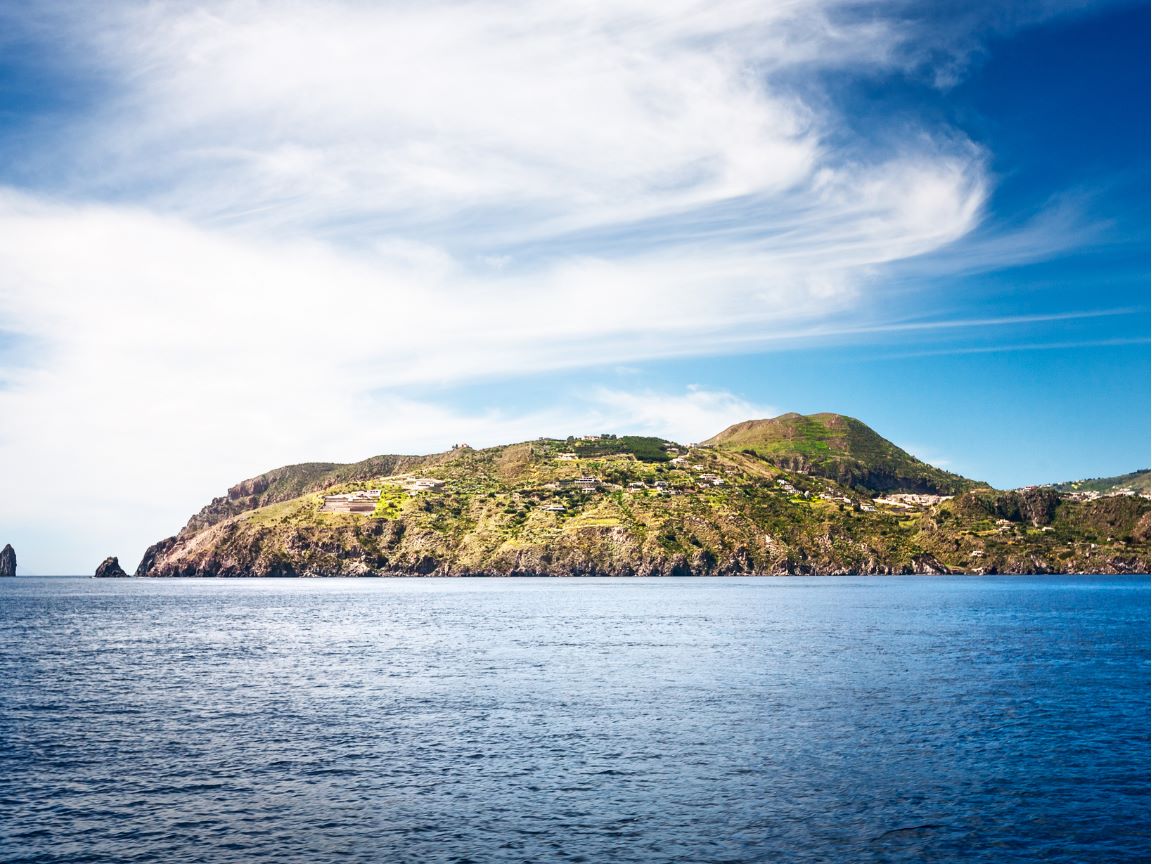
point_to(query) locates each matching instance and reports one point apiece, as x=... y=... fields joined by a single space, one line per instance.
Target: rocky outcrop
x=110 y=569
x=1035 y=507
x=153 y=554
x=7 y=561
x=925 y=564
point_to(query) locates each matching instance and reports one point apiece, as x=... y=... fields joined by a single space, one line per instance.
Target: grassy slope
x=1137 y=481
x=841 y=448
x=489 y=519
x=292 y=481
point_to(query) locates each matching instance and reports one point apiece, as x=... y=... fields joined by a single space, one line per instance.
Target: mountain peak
x=840 y=448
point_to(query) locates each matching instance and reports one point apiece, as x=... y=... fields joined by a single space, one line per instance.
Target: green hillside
x=292 y=481
x=1137 y=483
x=839 y=448
x=638 y=506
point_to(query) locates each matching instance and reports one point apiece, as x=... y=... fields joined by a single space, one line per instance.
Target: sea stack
x=110 y=569
x=7 y=561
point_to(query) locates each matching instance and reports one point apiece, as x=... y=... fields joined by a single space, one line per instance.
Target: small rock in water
x=7 y=561
x=110 y=569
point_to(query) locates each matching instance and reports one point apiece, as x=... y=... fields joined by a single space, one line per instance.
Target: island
x=796 y=494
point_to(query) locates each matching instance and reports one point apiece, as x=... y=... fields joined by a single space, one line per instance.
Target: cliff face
x=7 y=561
x=1036 y=507
x=524 y=510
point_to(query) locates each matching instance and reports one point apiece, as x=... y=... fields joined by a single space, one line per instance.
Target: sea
x=792 y=719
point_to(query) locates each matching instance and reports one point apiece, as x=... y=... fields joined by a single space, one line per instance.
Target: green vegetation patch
x=1137 y=481
x=644 y=448
x=392 y=502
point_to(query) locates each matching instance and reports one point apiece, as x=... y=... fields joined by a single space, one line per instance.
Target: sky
x=238 y=235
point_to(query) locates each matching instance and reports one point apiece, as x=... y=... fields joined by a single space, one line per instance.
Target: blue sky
x=235 y=235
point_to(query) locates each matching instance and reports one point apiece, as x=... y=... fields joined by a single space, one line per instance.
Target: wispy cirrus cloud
x=361 y=120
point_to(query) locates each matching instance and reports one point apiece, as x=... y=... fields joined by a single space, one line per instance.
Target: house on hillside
x=351 y=502
x=416 y=485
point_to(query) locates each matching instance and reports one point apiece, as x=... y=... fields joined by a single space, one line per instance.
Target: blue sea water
x=598 y=720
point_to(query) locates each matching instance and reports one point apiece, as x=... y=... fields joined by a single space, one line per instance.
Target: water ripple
x=801 y=720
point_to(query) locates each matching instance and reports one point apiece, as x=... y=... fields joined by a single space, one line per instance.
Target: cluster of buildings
x=828 y=496
x=1092 y=495
x=640 y=484
x=352 y=502
x=416 y=485
x=365 y=500
x=908 y=500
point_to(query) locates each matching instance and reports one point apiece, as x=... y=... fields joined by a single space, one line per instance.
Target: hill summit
x=839 y=448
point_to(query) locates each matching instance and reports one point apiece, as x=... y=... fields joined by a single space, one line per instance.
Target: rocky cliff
x=110 y=569
x=7 y=561
x=641 y=507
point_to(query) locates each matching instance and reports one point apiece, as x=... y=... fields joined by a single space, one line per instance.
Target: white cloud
x=280 y=214
x=574 y=111
x=356 y=117
x=686 y=417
